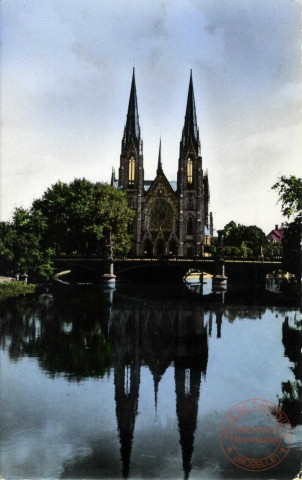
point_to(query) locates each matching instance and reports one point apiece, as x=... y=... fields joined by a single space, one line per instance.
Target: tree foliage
x=69 y=219
x=243 y=240
x=292 y=248
x=29 y=254
x=290 y=194
x=80 y=214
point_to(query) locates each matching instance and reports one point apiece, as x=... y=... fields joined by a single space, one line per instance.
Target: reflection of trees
x=243 y=312
x=292 y=392
x=67 y=337
x=77 y=354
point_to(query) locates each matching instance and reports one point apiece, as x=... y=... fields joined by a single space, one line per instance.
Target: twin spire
x=159 y=164
x=132 y=128
x=190 y=130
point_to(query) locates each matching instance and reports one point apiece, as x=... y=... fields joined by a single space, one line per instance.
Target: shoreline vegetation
x=13 y=288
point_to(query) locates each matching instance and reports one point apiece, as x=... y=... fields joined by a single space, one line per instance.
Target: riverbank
x=13 y=288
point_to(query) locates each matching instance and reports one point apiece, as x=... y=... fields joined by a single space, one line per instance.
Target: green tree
x=232 y=251
x=69 y=219
x=230 y=227
x=20 y=245
x=29 y=254
x=290 y=194
x=273 y=249
x=79 y=215
x=7 y=238
x=245 y=250
x=291 y=248
x=249 y=239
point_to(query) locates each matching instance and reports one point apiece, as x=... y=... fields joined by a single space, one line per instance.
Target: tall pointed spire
x=113 y=177
x=190 y=130
x=159 y=165
x=132 y=128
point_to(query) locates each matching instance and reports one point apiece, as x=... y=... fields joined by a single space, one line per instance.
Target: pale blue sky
x=66 y=74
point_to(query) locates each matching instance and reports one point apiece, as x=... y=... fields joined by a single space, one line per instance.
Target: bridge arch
x=79 y=272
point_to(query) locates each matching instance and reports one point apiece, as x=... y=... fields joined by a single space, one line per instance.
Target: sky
x=66 y=75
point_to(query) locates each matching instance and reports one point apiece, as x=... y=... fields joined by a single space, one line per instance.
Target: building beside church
x=172 y=217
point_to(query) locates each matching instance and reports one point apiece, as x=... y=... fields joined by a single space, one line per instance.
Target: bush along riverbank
x=14 y=289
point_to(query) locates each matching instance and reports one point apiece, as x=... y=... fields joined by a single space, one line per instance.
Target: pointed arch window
x=190 y=226
x=190 y=201
x=131 y=171
x=190 y=171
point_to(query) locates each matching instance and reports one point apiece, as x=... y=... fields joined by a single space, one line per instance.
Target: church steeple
x=159 y=164
x=190 y=130
x=131 y=171
x=112 y=183
x=132 y=128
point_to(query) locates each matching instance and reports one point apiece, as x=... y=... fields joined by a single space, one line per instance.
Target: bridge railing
x=170 y=259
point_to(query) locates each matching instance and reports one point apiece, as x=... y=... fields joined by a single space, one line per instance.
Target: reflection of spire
x=187 y=382
x=157 y=344
x=126 y=398
x=158 y=362
x=126 y=381
x=156 y=382
x=190 y=362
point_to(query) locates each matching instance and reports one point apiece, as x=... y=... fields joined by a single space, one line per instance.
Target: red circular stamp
x=256 y=435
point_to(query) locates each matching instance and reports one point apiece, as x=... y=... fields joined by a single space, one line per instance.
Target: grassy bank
x=14 y=289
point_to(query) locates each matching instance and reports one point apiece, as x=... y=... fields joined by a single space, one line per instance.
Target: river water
x=136 y=382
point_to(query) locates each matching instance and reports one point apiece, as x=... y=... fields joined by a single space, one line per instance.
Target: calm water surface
x=135 y=382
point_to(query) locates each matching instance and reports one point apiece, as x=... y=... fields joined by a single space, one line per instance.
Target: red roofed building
x=276 y=235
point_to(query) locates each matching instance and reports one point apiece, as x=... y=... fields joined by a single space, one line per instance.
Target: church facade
x=172 y=217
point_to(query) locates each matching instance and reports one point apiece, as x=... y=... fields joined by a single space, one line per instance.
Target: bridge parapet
x=137 y=268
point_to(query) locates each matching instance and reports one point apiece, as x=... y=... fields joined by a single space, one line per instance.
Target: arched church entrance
x=148 y=247
x=160 y=247
x=173 y=247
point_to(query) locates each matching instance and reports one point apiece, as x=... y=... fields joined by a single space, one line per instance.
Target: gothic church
x=171 y=217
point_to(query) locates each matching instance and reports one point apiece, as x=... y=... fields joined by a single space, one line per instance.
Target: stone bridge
x=248 y=271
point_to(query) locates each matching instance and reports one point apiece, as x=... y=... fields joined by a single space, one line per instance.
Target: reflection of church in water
x=88 y=336
x=158 y=336
x=171 y=217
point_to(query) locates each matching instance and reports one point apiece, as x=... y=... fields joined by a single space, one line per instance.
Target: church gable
x=161 y=207
x=160 y=187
